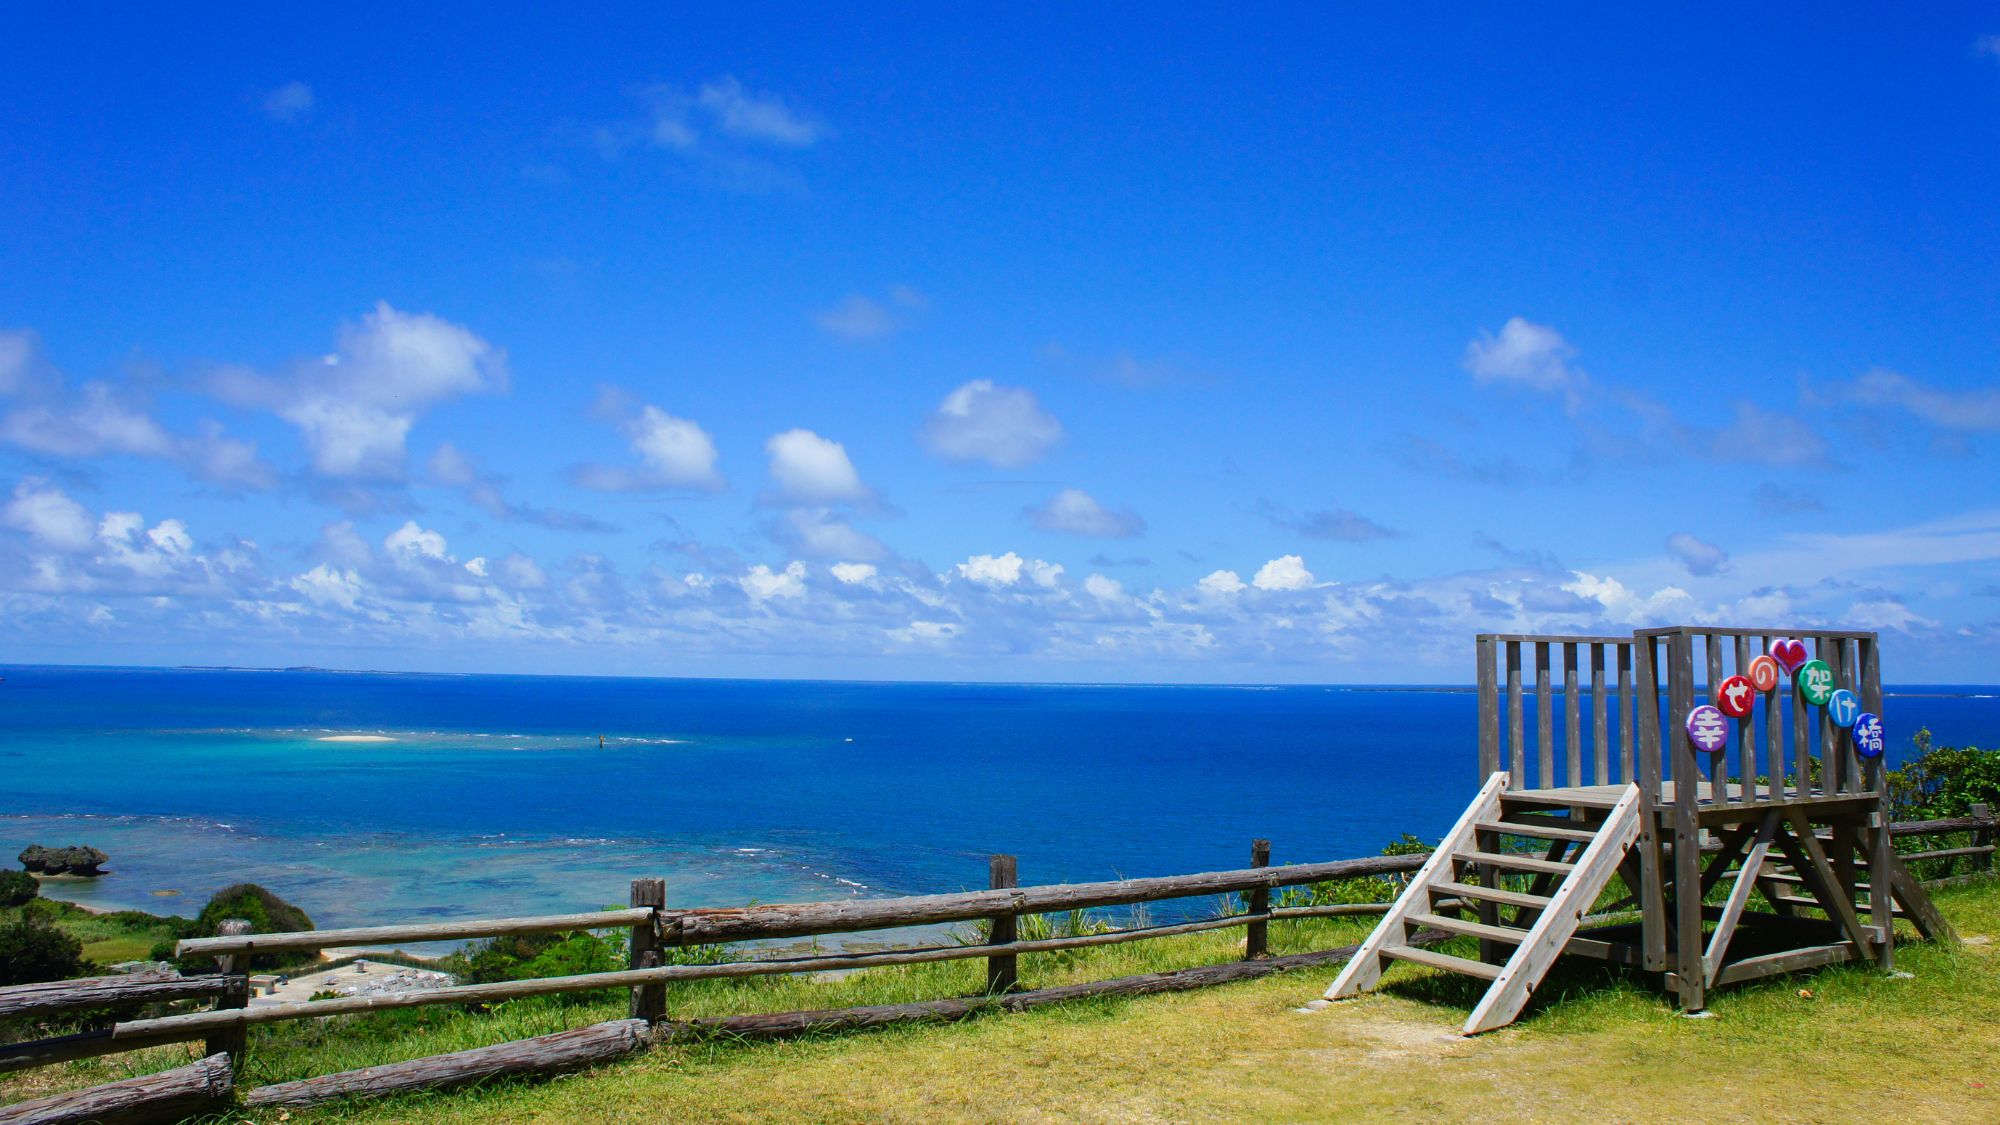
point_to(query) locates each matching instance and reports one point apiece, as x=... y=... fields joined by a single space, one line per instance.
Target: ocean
x=502 y=795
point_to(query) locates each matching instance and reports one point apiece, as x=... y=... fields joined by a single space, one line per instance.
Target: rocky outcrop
x=73 y=860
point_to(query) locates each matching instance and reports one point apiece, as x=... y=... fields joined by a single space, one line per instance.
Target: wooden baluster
x=1774 y=730
x=1572 y=719
x=1718 y=762
x=1489 y=710
x=1746 y=729
x=1545 y=722
x=1600 y=727
x=1517 y=741
x=1628 y=714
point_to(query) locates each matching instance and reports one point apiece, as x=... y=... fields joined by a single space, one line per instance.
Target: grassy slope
x=125 y=935
x=1612 y=1050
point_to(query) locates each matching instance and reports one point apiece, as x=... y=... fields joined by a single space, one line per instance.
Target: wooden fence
x=653 y=929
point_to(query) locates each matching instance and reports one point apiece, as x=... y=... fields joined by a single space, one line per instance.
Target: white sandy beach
x=356 y=738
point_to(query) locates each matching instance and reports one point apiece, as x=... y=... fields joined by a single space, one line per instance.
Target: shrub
x=266 y=913
x=1941 y=781
x=17 y=887
x=33 y=950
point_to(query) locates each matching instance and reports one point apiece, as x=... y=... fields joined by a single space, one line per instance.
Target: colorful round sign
x=1814 y=682
x=1843 y=707
x=1868 y=740
x=1764 y=673
x=1707 y=729
x=1789 y=652
x=1735 y=696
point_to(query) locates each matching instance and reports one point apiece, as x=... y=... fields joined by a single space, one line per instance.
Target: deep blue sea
x=494 y=796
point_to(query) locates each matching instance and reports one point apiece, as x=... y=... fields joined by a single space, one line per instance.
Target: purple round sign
x=1868 y=740
x=1708 y=728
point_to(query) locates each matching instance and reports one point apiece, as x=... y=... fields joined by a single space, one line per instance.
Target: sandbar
x=356 y=738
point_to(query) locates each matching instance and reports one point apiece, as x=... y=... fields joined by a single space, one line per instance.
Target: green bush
x=17 y=887
x=266 y=913
x=33 y=950
x=523 y=956
x=1941 y=781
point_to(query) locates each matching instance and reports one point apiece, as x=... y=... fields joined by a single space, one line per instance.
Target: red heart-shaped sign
x=1789 y=651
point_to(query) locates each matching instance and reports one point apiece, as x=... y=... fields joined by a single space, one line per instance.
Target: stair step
x=1516 y=862
x=1538 y=829
x=1444 y=961
x=1452 y=925
x=1489 y=894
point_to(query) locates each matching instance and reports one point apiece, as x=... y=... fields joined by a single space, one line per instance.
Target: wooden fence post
x=231 y=1041
x=649 y=1001
x=1256 y=935
x=1002 y=973
x=1982 y=837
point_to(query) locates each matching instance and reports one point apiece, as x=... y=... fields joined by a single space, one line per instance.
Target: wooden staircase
x=1577 y=860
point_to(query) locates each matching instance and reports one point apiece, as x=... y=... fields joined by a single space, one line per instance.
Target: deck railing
x=1786 y=749
x=1606 y=708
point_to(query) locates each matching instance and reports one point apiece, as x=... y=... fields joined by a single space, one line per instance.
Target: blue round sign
x=1843 y=707
x=1868 y=741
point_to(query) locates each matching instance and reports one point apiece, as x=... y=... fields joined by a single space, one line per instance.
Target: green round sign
x=1814 y=682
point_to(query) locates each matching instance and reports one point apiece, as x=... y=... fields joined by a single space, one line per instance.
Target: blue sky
x=972 y=345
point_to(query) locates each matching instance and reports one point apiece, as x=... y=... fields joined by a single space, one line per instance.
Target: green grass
x=1832 y=1045
x=123 y=935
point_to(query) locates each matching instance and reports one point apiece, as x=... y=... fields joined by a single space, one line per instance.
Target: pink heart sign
x=1788 y=651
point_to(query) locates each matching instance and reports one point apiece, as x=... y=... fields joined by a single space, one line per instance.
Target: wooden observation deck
x=1603 y=830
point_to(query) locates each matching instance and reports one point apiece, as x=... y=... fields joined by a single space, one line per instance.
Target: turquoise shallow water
x=495 y=796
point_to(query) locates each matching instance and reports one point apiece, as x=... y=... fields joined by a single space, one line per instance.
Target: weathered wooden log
x=781 y=920
x=81 y=1045
x=171 y=1095
x=543 y=1055
x=779 y=1024
x=106 y=992
x=424 y=931
x=184 y=1025
x=1946 y=853
x=1944 y=824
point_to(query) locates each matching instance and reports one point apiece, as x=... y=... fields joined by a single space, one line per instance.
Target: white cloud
x=1286 y=572
x=522 y=573
x=329 y=585
x=992 y=570
x=851 y=574
x=676 y=452
x=1764 y=437
x=1075 y=512
x=22 y=367
x=411 y=541
x=857 y=317
x=810 y=469
x=354 y=408
x=1887 y=614
x=1695 y=556
x=1975 y=410
x=1524 y=354
x=1098 y=586
x=757 y=117
x=1002 y=426
x=288 y=104
x=47 y=514
x=1222 y=582
x=763 y=584
x=1043 y=574
x=816 y=532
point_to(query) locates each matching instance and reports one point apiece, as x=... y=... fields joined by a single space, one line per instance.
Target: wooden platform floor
x=1605 y=796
